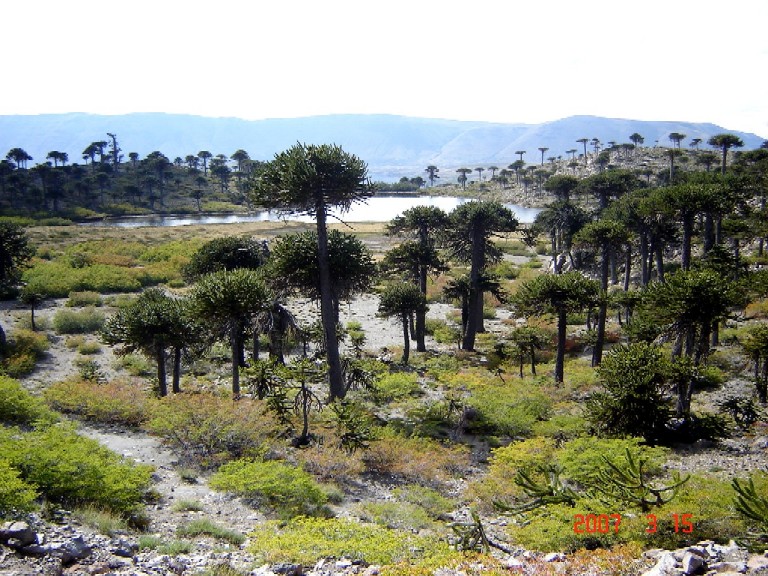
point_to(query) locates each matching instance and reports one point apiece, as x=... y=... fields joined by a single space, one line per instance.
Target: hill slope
x=392 y=145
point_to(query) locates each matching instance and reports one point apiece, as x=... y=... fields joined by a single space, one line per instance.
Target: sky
x=489 y=60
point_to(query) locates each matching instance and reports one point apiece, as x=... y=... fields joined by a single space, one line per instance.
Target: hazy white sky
x=494 y=60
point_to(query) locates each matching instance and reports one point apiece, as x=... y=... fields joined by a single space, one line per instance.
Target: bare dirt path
x=176 y=494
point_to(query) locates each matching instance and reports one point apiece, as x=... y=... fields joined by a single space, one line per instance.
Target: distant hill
x=393 y=146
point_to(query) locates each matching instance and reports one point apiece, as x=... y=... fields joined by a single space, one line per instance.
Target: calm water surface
x=376 y=209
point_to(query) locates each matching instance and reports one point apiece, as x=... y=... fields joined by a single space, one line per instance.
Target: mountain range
x=393 y=146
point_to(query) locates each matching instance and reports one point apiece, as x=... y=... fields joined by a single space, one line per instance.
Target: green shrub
x=304 y=540
x=175 y=547
x=136 y=365
x=72 y=469
x=188 y=506
x=288 y=490
x=509 y=410
x=19 y=407
x=22 y=352
x=205 y=527
x=583 y=457
x=85 y=321
x=81 y=299
x=209 y=430
x=397 y=386
x=433 y=503
x=58 y=279
x=89 y=348
x=16 y=496
x=103 y=521
x=110 y=403
x=398 y=515
x=506 y=269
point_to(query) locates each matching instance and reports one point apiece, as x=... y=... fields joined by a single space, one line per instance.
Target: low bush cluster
x=20 y=408
x=72 y=469
x=414 y=459
x=85 y=321
x=288 y=490
x=210 y=430
x=114 y=402
x=304 y=540
x=22 y=352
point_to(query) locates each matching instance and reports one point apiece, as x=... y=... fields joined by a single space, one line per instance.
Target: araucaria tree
x=313 y=179
x=228 y=302
x=725 y=142
x=686 y=307
x=152 y=324
x=417 y=257
x=401 y=300
x=470 y=232
x=558 y=294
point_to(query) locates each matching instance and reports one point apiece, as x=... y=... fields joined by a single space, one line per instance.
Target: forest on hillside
x=110 y=182
x=450 y=388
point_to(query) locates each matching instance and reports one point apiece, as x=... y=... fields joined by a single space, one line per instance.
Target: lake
x=376 y=209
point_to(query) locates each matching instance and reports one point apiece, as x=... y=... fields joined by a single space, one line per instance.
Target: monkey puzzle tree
x=469 y=234
x=401 y=300
x=609 y=185
x=226 y=253
x=294 y=266
x=725 y=142
x=432 y=174
x=686 y=307
x=685 y=202
x=228 y=301
x=418 y=257
x=755 y=344
x=561 y=186
x=313 y=179
x=584 y=142
x=558 y=294
x=636 y=139
x=606 y=236
x=151 y=324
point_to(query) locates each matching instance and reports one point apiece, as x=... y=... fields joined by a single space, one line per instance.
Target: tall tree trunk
x=406 y=340
x=660 y=261
x=475 y=291
x=327 y=310
x=685 y=257
x=162 y=381
x=627 y=268
x=709 y=232
x=560 y=358
x=175 y=384
x=421 y=316
x=597 y=352
x=644 y=271
x=234 y=341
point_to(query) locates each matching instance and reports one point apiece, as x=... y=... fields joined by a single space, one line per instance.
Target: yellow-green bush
x=113 y=403
x=80 y=299
x=19 y=407
x=69 y=468
x=397 y=386
x=85 y=321
x=16 y=496
x=288 y=490
x=306 y=540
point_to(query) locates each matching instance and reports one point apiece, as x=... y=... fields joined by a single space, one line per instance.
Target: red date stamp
x=605 y=523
